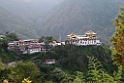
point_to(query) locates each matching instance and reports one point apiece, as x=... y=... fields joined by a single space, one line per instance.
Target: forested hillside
x=73 y=64
x=75 y=58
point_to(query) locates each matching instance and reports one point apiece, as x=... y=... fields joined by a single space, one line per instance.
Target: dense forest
x=73 y=65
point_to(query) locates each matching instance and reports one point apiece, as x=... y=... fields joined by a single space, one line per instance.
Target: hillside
x=78 y=16
x=20 y=16
x=69 y=59
x=10 y=22
x=75 y=58
x=72 y=58
x=29 y=9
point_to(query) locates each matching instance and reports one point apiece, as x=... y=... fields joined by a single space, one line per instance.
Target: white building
x=34 y=48
x=89 y=38
x=54 y=43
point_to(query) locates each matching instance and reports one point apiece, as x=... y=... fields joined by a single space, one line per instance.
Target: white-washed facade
x=83 y=40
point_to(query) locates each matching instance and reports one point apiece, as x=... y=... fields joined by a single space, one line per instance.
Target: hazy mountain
x=10 y=22
x=20 y=15
x=58 y=17
x=78 y=16
x=29 y=9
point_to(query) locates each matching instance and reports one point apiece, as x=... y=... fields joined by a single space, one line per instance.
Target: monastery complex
x=89 y=38
x=31 y=46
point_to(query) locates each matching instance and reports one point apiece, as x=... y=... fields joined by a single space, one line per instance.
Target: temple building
x=89 y=38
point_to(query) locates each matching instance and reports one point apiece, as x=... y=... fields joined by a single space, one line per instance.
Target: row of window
x=85 y=41
x=38 y=49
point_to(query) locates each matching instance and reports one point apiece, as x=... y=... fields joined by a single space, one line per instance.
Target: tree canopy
x=12 y=36
x=117 y=38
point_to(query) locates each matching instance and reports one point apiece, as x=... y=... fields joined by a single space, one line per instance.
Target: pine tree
x=117 y=38
x=97 y=74
x=118 y=75
x=94 y=70
x=79 y=78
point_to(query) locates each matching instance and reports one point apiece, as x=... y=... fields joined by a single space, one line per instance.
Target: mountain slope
x=78 y=16
x=20 y=16
x=29 y=9
x=10 y=22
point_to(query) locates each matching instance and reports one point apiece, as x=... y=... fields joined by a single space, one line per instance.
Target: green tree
x=4 y=43
x=49 y=82
x=58 y=75
x=117 y=38
x=79 y=78
x=42 y=39
x=96 y=73
x=4 y=72
x=46 y=39
x=94 y=70
x=2 y=67
x=12 y=36
x=26 y=70
x=118 y=75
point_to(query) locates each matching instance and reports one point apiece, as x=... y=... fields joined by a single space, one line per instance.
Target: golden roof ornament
x=71 y=35
x=90 y=32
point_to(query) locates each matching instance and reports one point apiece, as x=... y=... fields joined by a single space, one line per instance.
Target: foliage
x=118 y=75
x=73 y=58
x=24 y=70
x=5 y=54
x=94 y=70
x=3 y=44
x=2 y=67
x=47 y=39
x=58 y=75
x=97 y=74
x=79 y=78
x=117 y=38
x=12 y=36
x=48 y=82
